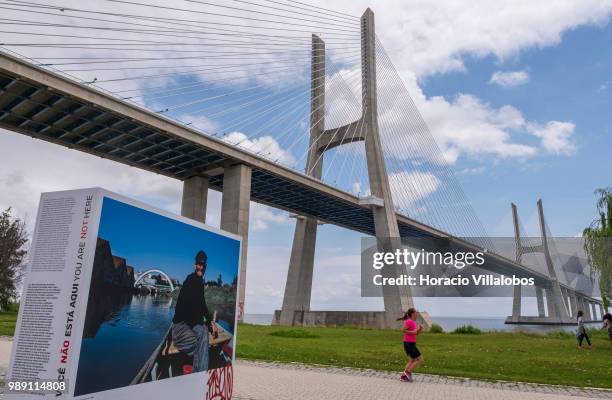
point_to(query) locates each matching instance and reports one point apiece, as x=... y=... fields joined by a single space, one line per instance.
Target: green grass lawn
x=8 y=319
x=550 y=359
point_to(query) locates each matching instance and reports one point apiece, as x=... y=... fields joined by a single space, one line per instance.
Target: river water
x=123 y=343
x=450 y=323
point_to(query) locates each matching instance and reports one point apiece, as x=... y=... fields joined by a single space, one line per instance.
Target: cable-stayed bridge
x=292 y=106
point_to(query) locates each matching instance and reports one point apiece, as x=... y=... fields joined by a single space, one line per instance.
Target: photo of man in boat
x=192 y=321
x=162 y=303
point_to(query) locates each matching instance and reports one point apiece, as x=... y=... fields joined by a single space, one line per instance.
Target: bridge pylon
x=296 y=302
x=557 y=304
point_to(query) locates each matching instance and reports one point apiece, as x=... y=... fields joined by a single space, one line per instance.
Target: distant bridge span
x=162 y=273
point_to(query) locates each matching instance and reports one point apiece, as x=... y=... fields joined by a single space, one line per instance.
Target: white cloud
x=468 y=171
x=509 y=79
x=462 y=126
x=556 y=136
x=199 y=122
x=467 y=125
x=262 y=216
x=266 y=146
x=410 y=187
x=431 y=37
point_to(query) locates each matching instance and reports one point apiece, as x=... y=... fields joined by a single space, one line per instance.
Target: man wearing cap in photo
x=188 y=332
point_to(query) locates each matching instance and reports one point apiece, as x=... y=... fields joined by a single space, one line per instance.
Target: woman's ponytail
x=407 y=314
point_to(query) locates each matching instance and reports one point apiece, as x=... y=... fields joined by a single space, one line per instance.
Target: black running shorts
x=411 y=350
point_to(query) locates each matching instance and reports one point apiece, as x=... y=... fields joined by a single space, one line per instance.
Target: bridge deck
x=48 y=106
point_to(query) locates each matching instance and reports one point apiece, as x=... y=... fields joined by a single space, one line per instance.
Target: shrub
x=435 y=328
x=467 y=330
x=10 y=308
x=294 y=334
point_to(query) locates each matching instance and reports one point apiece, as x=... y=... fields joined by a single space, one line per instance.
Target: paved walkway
x=263 y=381
x=276 y=381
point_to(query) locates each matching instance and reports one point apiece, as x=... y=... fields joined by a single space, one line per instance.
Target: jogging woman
x=582 y=334
x=411 y=330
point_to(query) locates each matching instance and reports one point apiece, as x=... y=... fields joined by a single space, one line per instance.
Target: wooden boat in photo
x=167 y=361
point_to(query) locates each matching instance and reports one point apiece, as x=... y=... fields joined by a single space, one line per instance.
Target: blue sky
x=148 y=240
x=570 y=81
x=541 y=130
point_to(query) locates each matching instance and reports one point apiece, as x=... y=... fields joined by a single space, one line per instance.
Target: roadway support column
x=594 y=311
x=573 y=305
x=301 y=264
x=299 y=277
x=601 y=309
x=581 y=304
x=565 y=297
x=235 y=205
x=516 y=303
x=589 y=316
x=396 y=299
x=550 y=304
x=587 y=310
x=195 y=196
x=540 y=301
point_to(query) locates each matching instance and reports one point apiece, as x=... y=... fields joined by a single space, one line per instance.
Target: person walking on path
x=607 y=325
x=582 y=334
x=411 y=330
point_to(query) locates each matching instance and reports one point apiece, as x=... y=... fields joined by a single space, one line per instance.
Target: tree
x=598 y=243
x=13 y=239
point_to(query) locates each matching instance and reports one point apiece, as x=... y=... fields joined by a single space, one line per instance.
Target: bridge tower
x=296 y=301
x=556 y=296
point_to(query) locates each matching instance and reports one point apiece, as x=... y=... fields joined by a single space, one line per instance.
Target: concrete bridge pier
x=195 y=197
x=567 y=301
x=587 y=310
x=540 y=301
x=516 y=303
x=573 y=305
x=299 y=276
x=235 y=206
x=550 y=304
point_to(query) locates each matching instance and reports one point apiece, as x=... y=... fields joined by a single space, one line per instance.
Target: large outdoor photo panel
x=153 y=312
